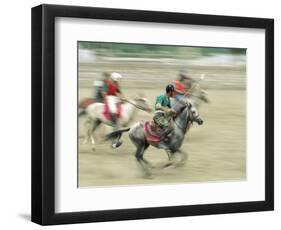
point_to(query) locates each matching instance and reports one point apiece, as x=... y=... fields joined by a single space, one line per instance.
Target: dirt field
x=216 y=150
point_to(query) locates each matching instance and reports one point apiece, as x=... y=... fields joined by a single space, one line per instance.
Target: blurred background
x=225 y=67
x=216 y=150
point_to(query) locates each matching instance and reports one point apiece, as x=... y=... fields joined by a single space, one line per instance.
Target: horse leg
x=141 y=161
x=169 y=153
x=171 y=156
x=87 y=125
x=91 y=133
x=183 y=159
x=146 y=161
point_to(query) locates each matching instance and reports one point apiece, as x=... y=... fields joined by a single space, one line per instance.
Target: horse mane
x=182 y=108
x=179 y=112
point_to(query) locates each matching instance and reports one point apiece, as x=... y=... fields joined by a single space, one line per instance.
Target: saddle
x=106 y=112
x=154 y=137
x=151 y=136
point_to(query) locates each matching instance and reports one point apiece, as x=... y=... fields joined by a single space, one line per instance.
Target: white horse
x=95 y=117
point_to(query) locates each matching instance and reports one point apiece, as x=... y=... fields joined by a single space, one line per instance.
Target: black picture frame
x=43 y=114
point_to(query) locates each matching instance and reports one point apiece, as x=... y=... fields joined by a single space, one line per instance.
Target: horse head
x=195 y=116
x=189 y=111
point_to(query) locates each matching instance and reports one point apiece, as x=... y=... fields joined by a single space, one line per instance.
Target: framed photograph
x=142 y=114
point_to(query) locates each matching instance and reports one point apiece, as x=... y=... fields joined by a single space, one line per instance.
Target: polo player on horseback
x=183 y=84
x=161 y=123
x=180 y=88
x=112 y=94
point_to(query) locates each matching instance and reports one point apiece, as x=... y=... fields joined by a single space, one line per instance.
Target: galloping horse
x=185 y=115
x=96 y=114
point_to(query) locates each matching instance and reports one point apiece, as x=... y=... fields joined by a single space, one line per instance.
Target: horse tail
x=83 y=104
x=115 y=134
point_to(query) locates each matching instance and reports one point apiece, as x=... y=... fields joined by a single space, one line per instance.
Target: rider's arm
x=159 y=103
x=167 y=110
x=171 y=111
x=159 y=107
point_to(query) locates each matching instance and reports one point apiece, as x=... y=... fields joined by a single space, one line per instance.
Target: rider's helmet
x=170 y=88
x=115 y=76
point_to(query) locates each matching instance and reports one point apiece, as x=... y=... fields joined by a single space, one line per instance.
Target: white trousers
x=112 y=101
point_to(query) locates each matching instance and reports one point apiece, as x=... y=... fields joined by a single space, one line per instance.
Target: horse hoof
x=148 y=176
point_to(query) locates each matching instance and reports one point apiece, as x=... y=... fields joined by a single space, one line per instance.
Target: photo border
x=43 y=114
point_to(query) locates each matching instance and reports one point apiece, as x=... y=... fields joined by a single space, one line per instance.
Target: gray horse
x=186 y=114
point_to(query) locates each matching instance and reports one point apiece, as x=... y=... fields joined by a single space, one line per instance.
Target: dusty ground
x=216 y=150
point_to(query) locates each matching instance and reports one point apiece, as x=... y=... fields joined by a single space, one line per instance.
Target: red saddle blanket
x=151 y=136
x=107 y=114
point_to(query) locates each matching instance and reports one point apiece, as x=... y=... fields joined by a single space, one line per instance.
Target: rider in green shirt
x=163 y=108
x=162 y=101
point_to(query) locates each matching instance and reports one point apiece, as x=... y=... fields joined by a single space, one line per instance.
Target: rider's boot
x=113 y=120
